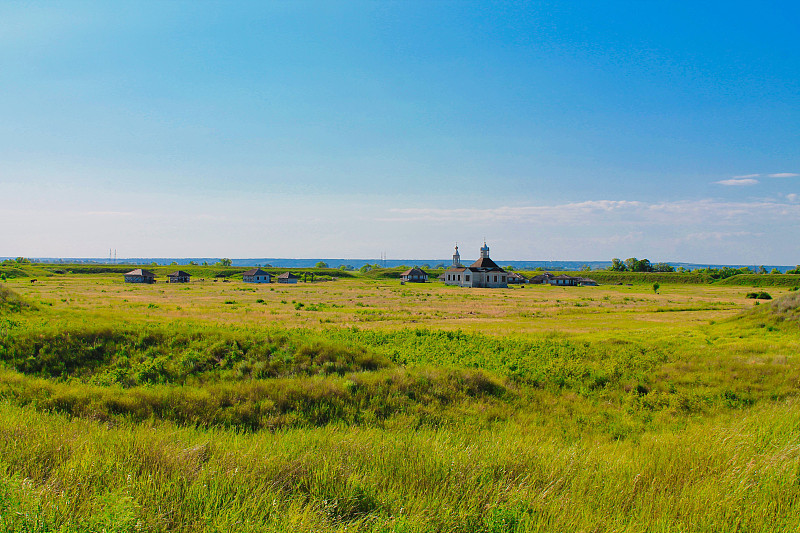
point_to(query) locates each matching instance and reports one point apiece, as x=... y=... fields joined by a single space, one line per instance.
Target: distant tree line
x=633 y=264
x=17 y=261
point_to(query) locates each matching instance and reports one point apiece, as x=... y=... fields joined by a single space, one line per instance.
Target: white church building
x=482 y=273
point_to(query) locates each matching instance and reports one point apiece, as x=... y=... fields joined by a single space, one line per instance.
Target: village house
x=482 y=273
x=288 y=277
x=513 y=277
x=179 y=276
x=140 y=276
x=564 y=281
x=414 y=275
x=541 y=279
x=256 y=275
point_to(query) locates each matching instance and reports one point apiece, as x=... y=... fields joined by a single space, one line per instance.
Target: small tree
x=762 y=270
x=321 y=264
x=225 y=262
x=656 y=286
x=617 y=265
x=774 y=271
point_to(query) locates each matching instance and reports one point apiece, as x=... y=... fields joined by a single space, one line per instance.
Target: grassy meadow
x=355 y=403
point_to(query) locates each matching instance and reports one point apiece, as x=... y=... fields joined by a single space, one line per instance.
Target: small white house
x=256 y=275
x=414 y=275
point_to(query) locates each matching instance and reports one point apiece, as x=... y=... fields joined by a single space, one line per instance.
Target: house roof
x=416 y=270
x=288 y=275
x=179 y=274
x=140 y=272
x=514 y=275
x=456 y=269
x=564 y=276
x=484 y=263
x=255 y=272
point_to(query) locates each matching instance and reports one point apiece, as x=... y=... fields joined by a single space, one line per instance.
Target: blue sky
x=555 y=130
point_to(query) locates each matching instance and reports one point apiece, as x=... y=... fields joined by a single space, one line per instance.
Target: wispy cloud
x=607 y=211
x=108 y=213
x=793 y=197
x=720 y=235
x=745 y=176
x=737 y=182
x=564 y=213
x=784 y=175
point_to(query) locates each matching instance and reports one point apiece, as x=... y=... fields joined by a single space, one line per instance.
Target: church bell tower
x=456 y=258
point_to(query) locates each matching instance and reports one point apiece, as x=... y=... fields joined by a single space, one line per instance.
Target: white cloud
x=793 y=197
x=588 y=213
x=737 y=182
x=563 y=214
x=784 y=175
x=745 y=176
x=720 y=235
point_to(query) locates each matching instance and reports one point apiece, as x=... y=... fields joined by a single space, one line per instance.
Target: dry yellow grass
x=385 y=304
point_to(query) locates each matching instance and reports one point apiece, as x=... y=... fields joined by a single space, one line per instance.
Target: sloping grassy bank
x=129 y=356
x=608 y=277
x=762 y=280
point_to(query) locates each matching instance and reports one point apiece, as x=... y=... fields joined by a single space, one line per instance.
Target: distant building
x=513 y=277
x=288 y=277
x=179 y=276
x=414 y=275
x=256 y=275
x=564 y=281
x=140 y=276
x=482 y=273
x=541 y=279
x=587 y=282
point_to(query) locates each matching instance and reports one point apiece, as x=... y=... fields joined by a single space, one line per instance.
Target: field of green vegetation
x=354 y=403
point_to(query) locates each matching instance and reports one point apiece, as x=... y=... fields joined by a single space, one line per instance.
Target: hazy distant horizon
x=278 y=262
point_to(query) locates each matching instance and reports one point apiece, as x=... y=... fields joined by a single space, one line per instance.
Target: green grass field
x=364 y=405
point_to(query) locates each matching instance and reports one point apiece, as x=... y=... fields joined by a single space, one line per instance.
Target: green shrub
x=761 y=295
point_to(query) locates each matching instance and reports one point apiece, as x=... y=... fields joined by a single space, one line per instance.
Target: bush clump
x=761 y=295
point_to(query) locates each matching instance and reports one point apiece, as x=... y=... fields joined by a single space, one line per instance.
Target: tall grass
x=737 y=473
